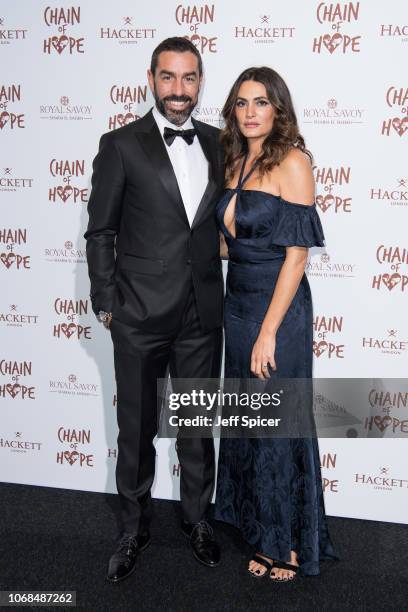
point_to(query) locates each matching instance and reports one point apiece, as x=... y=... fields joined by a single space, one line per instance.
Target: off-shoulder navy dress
x=270 y=489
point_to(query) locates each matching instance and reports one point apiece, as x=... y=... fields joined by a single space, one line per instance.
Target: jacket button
x=188 y=261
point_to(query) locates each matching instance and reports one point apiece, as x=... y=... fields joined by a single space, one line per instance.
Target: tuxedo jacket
x=143 y=256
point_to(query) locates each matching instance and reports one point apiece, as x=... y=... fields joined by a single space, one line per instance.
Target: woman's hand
x=263 y=353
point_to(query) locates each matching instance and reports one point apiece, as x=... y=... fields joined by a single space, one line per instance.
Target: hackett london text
x=12 y=35
x=19 y=445
x=381 y=481
x=18 y=318
x=274 y=32
x=126 y=33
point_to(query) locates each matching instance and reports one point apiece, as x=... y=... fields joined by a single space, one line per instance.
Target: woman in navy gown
x=270 y=488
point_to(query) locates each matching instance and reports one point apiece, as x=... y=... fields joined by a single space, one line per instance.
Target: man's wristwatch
x=105 y=317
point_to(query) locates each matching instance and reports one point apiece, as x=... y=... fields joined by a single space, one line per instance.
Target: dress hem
x=312 y=572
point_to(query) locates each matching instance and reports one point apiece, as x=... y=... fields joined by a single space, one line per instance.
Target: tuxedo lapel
x=150 y=139
x=205 y=201
x=207 y=144
x=208 y=147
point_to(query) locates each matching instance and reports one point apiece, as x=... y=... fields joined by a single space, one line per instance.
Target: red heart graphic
x=380 y=422
x=8 y=259
x=124 y=119
x=332 y=42
x=400 y=125
x=322 y=201
x=59 y=43
x=391 y=280
x=68 y=329
x=4 y=117
x=64 y=192
x=319 y=348
x=13 y=389
x=71 y=457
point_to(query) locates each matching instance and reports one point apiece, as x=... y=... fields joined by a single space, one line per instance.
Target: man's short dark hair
x=179 y=45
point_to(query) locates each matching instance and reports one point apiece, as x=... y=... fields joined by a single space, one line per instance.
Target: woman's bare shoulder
x=295 y=161
x=296 y=180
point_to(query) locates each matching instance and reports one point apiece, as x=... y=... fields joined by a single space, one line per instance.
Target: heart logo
x=13 y=389
x=4 y=117
x=124 y=119
x=324 y=202
x=391 y=280
x=8 y=259
x=400 y=125
x=59 y=43
x=332 y=42
x=319 y=348
x=64 y=192
x=382 y=423
x=68 y=329
x=71 y=457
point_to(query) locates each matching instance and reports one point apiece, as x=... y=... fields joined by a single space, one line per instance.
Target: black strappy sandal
x=285 y=566
x=268 y=564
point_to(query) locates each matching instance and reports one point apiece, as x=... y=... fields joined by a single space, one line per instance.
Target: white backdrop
x=70 y=72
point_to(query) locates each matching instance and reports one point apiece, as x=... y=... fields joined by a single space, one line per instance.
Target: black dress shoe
x=205 y=548
x=123 y=561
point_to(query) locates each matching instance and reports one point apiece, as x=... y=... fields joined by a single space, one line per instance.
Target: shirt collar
x=162 y=122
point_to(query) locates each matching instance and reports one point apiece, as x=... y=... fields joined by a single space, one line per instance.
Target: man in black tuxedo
x=156 y=281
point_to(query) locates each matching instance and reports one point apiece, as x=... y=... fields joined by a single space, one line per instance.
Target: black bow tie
x=170 y=134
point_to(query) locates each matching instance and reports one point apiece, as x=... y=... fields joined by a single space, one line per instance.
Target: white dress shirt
x=189 y=164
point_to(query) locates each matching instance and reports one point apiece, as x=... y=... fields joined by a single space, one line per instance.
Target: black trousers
x=141 y=358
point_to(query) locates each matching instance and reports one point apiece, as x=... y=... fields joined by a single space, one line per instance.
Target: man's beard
x=176 y=117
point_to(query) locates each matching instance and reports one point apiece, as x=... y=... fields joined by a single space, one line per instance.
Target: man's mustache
x=177 y=99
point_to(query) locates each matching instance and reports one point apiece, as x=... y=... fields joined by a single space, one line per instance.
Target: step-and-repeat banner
x=72 y=71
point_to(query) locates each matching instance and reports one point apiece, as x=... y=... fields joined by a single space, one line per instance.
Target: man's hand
x=105 y=318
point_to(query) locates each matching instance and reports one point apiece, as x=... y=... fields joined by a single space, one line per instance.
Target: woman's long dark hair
x=285 y=132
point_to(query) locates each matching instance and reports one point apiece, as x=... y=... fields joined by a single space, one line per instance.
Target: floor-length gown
x=270 y=488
